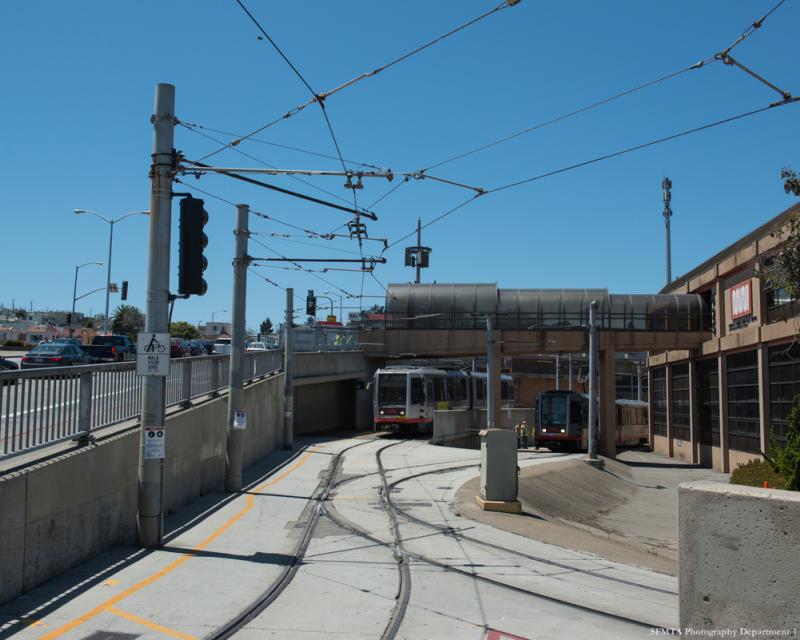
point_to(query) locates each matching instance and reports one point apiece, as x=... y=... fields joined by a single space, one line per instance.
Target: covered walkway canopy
x=466 y=306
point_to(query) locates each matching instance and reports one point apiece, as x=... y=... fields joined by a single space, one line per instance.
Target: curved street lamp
x=75 y=293
x=213 y=313
x=111 y=222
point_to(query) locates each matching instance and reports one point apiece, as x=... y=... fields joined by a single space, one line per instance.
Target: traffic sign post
x=152 y=354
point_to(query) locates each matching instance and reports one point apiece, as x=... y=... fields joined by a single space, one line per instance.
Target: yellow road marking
x=111 y=582
x=150 y=625
x=108 y=604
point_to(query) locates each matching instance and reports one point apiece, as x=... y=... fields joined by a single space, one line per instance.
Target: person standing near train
x=524 y=433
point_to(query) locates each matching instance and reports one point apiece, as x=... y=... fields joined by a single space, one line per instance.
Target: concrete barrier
x=449 y=425
x=738 y=557
x=56 y=514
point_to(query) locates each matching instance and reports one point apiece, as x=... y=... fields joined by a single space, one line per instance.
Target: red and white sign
x=741 y=300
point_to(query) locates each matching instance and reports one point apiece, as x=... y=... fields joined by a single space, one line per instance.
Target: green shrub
x=786 y=460
x=754 y=473
x=16 y=343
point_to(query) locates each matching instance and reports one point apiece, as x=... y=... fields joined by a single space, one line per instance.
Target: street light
x=213 y=313
x=111 y=222
x=329 y=299
x=333 y=293
x=75 y=293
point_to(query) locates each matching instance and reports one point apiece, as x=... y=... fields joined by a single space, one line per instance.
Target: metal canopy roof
x=465 y=306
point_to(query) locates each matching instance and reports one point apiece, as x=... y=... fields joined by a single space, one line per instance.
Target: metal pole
x=419 y=244
x=558 y=372
x=592 y=382
x=236 y=428
x=666 y=189
x=569 y=371
x=490 y=374
x=639 y=382
x=150 y=505
x=108 y=278
x=74 y=294
x=288 y=365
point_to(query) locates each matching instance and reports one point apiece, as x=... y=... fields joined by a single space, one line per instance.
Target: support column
x=288 y=372
x=608 y=396
x=694 y=416
x=763 y=396
x=650 y=429
x=670 y=445
x=719 y=302
x=724 y=466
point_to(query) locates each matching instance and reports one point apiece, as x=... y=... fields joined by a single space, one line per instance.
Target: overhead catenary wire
x=263 y=277
x=749 y=31
x=594 y=160
x=319 y=98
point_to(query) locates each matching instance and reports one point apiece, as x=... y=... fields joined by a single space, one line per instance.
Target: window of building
x=780 y=305
x=743 y=422
x=710 y=298
x=708 y=401
x=660 y=401
x=680 y=402
x=784 y=385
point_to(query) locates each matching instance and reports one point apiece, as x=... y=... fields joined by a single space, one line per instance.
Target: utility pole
x=237 y=417
x=288 y=364
x=592 y=381
x=150 y=519
x=639 y=382
x=569 y=371
x=419 y=244
x=491 y=400
x=558 y=372
x=666 y=189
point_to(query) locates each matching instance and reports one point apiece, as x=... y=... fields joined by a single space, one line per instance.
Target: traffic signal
x=191 y=261
x=69 y=319
x=124 y=290
x=311 y=303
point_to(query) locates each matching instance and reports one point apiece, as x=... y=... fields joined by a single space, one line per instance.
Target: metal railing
x=323 y=338
x=39 y=407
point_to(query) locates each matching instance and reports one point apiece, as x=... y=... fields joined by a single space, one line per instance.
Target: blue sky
x=79 y=80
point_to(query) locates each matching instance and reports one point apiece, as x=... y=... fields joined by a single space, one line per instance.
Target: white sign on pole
x=240 y=419
x=154 y=443
x=152 y=354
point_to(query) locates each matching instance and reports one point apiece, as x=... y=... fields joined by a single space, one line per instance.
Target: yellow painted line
x=108 y=604
x=150 y=625
x=111 y=582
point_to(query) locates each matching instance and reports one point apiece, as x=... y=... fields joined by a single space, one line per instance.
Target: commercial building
x=723 y=404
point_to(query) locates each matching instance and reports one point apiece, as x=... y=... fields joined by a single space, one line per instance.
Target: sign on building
x=741 y=300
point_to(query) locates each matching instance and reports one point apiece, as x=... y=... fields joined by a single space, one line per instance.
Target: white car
x=222 y=345
x=257 y=346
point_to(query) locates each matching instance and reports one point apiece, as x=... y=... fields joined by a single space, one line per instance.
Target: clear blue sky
x=79 y=80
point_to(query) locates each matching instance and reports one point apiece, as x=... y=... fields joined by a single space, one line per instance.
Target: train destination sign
x=152 y=354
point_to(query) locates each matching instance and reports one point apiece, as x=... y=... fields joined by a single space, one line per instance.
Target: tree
x=184 y=330
x=791 y=181
x=127 y=320
x=786 y=460
x=88 y=323
x=781 y=270
x=21 y=314
x=266 y=326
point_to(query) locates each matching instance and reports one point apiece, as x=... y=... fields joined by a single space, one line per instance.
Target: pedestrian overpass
x=449 y=320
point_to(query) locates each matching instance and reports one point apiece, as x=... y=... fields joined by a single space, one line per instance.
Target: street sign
x=154 y=443
x=240 y=419
x=152 y=354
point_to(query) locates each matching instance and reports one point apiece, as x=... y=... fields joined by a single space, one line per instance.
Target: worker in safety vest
x=518 y=431
x=524 y=432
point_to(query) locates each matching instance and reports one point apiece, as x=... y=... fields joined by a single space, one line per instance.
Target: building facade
x=726 y=402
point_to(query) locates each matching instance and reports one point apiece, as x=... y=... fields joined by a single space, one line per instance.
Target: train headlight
x=402 y=412
x=382 y=412
x=563 y=431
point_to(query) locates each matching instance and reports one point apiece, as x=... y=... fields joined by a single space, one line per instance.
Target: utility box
x=499 y=473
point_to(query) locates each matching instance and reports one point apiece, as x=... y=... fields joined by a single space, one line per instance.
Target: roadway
x=348 y=537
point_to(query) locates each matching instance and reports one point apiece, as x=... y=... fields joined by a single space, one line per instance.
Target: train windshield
x=392 y=389
x=553 y=410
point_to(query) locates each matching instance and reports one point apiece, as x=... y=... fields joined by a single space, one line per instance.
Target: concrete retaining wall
x=57 y=514
x=738 y=557
x=455 y=422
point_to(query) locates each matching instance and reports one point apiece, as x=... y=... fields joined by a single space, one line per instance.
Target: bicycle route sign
x=152 y=354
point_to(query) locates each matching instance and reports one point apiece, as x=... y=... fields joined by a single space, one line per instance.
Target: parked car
x=256 y=346
x=111 y=348
x=8 y=365
x=209 y=345
x=222 y=345
x=55 y=355
x=178 y=348
x=196 y=348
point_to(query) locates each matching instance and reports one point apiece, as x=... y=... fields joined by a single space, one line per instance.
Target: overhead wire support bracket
x=289 y=192
x=728 y=59
x=362 y=260
x=203 y=168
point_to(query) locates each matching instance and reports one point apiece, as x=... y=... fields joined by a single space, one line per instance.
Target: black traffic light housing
x=124 y=295
x=69 y=319
x=191 y=261
x=311 y=303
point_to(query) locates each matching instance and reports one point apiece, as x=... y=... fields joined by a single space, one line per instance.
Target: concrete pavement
x=309 y=550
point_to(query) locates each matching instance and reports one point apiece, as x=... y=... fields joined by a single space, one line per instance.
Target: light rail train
x=404 y=397
x=562 y=419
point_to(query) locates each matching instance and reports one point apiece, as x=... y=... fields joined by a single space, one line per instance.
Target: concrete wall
x=453 y=423
x=57 y=514
x=738 y=559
